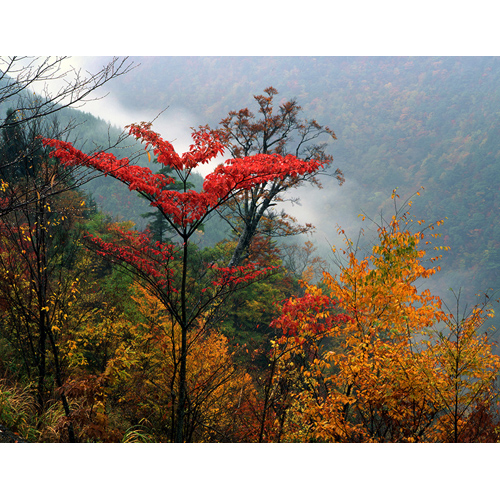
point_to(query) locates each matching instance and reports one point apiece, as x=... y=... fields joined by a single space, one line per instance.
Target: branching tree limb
x=282 y=132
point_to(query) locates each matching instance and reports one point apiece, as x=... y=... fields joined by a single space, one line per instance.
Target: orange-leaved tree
x=142 y=372
x=383 y=374
x=188 y=293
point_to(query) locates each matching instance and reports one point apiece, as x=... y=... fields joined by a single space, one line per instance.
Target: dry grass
x=18 y=410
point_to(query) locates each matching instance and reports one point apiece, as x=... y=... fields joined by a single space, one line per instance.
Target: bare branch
x=18 y=74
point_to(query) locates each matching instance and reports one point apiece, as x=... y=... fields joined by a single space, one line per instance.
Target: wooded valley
x=143 y=302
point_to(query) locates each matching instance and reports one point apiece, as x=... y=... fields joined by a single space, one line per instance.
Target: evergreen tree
x=160 y=229
x=16 y=150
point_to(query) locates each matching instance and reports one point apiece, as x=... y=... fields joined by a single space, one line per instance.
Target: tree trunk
x=41 y=368
x=242 y=246
x=181 y=411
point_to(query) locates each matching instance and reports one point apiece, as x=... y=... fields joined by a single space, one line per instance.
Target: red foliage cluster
x=245 y=173
x=136 y=249
x=239 y=274
x=189 y=207
x=136 y=177
x=207 y=146
x=312 y=311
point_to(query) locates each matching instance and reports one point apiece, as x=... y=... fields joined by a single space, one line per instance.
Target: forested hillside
x=400 y=122
x=153 y=304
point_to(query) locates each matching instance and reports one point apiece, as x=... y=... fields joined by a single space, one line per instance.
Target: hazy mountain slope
x=400 y=122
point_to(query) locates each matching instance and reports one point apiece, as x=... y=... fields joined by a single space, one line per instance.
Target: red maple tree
x=164 y=268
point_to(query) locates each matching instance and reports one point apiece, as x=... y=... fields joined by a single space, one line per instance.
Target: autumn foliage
x=123 y=338
x=372 y=358
x=187 y=208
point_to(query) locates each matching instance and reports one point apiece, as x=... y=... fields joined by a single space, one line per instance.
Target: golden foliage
x=144 y=376
x=396 y=368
